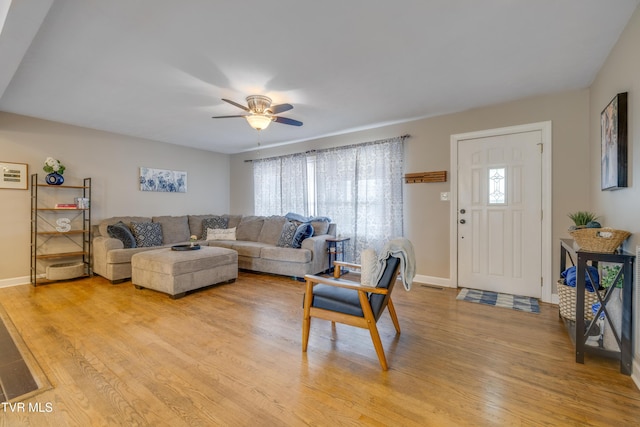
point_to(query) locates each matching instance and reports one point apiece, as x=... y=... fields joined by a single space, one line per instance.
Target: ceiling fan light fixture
x=258 y=121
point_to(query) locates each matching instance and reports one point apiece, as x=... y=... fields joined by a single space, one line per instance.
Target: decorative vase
x=54 y=178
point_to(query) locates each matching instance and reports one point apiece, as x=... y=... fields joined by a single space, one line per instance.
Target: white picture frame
x=13 y=176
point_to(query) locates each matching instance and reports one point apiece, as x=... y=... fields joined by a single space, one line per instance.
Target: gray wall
x=113 y=162
x=620 y=209
x=427 y=219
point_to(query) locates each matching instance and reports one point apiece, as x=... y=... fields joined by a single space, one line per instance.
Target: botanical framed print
x=613 y=140
x=14 y=175
x=163 y=180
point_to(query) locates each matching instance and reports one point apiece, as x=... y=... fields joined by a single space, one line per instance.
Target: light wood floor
x=231 y=356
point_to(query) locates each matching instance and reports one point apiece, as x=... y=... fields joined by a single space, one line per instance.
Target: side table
x=336 y=251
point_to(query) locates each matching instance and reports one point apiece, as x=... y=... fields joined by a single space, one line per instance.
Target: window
x=497 y=186
x=358 y=186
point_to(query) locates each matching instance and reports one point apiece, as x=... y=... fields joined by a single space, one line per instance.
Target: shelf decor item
x=602 y=240
x=567 y=301
x=55 y=169
x=613 y=140
x=582 y=219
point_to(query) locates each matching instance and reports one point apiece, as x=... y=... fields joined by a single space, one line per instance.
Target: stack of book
x=66 y=206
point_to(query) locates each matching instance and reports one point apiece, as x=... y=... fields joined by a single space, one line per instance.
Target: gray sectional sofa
x=256 y=243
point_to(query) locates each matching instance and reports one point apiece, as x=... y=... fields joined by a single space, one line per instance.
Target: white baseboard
x=15 y=281
x=635 y=369
x=430 y=280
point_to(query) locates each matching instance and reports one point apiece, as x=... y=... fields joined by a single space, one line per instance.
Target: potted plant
x=583 y=219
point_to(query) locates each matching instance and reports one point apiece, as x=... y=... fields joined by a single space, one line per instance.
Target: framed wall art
x=163 y=180
x=613 y=140
x=14 y=175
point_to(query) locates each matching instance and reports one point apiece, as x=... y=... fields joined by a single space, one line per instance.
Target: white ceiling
x=157 y=69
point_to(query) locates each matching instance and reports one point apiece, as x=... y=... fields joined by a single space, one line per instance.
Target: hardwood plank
x=231 y=355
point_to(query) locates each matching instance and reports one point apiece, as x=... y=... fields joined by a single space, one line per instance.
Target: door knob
x=462 y=221
x=462 y=211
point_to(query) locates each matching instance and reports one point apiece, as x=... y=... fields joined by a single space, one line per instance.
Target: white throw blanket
x=399 y=248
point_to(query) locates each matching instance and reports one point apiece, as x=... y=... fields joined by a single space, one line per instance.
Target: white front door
x=499 y=218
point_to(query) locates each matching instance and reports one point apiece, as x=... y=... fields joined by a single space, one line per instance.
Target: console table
x=581 y=330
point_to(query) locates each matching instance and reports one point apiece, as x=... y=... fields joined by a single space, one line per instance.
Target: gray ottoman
x=178 y=272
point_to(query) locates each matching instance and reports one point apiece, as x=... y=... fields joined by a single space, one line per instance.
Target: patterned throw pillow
x=221 y=234
x=287 y=235
x=302 y=232
x=120 y=231
x=215 y=222
x=147 y=234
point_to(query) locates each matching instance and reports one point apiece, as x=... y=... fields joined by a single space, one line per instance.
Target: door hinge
x=541 y=145
x=541 y=281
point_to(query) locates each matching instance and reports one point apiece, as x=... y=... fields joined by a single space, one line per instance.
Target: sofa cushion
x=286 y=254
x=121 y=231
x=221 y=243
x=123 y=256
x=272 y=229
x=287 y=233
x=195 y=224
x=102 y=228
x=303 y=231
x=147 y=234
x=221 y=234
x=248 y=249
x=249 y=230
x=233 y=220
x=320 y=227
x=175 y=229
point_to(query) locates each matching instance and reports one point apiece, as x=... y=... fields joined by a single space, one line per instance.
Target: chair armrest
x=347 y=264
x=340 y=283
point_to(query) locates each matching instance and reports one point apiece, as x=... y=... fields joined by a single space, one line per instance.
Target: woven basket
x=603 y=240
x=568 y=296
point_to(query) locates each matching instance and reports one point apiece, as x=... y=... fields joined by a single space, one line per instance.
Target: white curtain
x=280 y=185
x=360 y=188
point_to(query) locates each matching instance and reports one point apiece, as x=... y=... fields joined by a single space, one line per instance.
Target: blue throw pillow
x=303 y=231
x=121 y=231
x=147 y=234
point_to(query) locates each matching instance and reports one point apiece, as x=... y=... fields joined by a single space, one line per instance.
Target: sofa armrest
x=318 y=247
x=107 y=243
x=101 y=246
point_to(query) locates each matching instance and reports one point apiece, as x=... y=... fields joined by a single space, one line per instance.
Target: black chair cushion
x=378 y=301
x=337 y=299
x=347 y=301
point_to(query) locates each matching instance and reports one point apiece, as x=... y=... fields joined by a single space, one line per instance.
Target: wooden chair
x=348 y=302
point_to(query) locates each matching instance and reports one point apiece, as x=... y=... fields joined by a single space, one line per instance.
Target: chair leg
x=375 y=337
x=373 y=329
x=306 y=319
x=394 y=317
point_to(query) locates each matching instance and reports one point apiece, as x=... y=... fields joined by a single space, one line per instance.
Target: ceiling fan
x=261 y=112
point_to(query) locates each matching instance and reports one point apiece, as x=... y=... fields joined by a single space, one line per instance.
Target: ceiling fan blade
x=281 y=108
x=225 y=117
x=287 y=121
x=236 y=104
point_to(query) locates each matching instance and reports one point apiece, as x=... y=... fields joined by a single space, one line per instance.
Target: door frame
x=546 y=202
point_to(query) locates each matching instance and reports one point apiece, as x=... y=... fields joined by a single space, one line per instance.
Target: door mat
x=514 y=302
x=20 y=375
